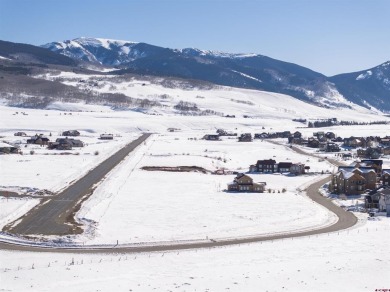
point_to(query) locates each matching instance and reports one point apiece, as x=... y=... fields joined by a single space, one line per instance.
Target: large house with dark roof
x=271 y=166
x=38 y=139
x=264 y=166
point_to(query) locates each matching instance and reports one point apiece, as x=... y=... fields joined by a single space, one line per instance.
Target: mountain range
x=369 y=88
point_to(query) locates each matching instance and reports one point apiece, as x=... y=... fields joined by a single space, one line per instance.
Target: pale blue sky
x=331 y=37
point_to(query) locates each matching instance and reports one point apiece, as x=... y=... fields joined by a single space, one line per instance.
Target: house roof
x=266 y=161
x=6 y=145
x=285 y=164
x=373 y=161
x=381 y=190
x=364 y=170
x=353 y=166
x=260 y=183
x=232 y=183
x=240 y=175
x=348 y=174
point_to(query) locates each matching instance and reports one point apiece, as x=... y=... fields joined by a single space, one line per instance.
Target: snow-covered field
x=352 y=260
x=226 y=100
x=42 y=168
x=133 y=205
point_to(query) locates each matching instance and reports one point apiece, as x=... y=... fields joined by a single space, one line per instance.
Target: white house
x=384 y=201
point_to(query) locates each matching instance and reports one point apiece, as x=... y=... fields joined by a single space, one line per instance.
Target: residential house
x=338 y=139
x=222 y=132
x=106 y=136
x=355 y=142
x=347 y=156
x=313 y=143
x=244 y=183
x=38 y=139
x=297 y=141
x=386 y=151
x=297 y=168
x=71 y=141
x=374 y=163
x=6 y=148
x=371 y=200
x=247 y=137
x=265 y=166
x=367 y=172
x=60 y=146
x=297 y=134
x=370 y=152
x=322 y=146
x=20 y=134
x=379 y=199
x=349 y=182
x=361 y=152
x=319 y=135
x=385 y=141
x=385 y=177
x=263 y=135
x=73 y=133
x=270 y=166
x=332 y=147
x=284 y=167
x=384 y=201
x=330 y=135
x=211 y=137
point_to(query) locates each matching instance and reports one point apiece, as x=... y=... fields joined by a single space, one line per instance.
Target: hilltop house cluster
x=365 y=177
x=366 y=147
x=246 y=137
x=359 y=177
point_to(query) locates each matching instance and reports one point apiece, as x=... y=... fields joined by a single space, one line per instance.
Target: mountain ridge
x=242 y=70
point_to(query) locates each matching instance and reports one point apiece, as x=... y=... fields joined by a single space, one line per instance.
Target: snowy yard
x=134 y=205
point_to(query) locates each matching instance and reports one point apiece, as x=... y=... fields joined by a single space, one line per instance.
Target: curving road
x=345 y=220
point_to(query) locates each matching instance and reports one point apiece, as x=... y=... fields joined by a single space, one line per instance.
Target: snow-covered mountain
x=370 y=88
x=97 y=50
x=118 y=52
x=252 y=71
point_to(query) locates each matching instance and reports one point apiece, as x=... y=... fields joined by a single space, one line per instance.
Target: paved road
x=300 y=151
x=53 y=215
x=345 y=220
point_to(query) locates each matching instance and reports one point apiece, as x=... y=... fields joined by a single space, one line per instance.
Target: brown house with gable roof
x=244 y=183
x=349 y=182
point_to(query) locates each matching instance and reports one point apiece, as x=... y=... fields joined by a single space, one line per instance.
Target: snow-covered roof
x=6 y=145
x=349 y=173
